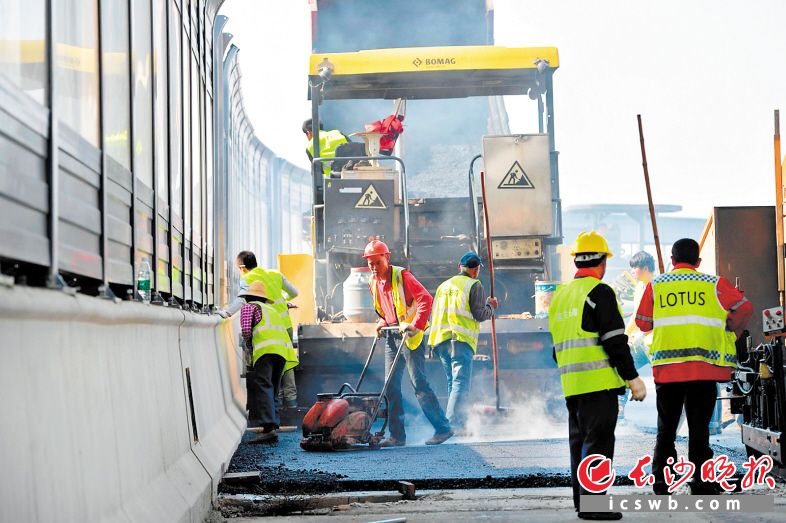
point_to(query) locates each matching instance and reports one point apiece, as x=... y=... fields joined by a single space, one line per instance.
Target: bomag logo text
x=440 y=61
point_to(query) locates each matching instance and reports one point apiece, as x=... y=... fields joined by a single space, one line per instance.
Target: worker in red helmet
x=401 y=300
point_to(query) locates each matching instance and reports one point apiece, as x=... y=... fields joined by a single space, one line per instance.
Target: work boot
x=265 y=437
x=439 y=437
x=391 y=442
x=600 y=516
x=290 y=404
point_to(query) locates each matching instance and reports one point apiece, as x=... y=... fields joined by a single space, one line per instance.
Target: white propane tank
x=358 y=307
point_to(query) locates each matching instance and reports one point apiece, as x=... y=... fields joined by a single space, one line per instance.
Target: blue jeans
x=415 y=363
x=457 y=362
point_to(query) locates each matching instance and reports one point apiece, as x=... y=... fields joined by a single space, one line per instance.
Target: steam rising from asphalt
x=525 y=418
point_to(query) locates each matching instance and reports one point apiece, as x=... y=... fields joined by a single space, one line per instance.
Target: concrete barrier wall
x=96 y=422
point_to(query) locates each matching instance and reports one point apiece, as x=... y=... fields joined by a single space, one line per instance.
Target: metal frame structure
x=435 y=73
x=73 y=217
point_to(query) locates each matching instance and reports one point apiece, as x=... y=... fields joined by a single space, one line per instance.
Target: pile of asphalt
x=276 y=477
x=287 y=470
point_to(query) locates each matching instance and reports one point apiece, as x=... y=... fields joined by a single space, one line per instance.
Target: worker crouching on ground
x=401 y=300
x=695 y=319
x=265 y=333
x=593 y=357
x=459 y=306
x=279 y=290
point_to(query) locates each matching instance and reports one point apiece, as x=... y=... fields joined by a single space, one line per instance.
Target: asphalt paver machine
x=371 y=200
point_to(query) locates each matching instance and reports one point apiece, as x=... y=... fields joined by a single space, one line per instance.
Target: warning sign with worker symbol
x=516 y=178
x=370 y=199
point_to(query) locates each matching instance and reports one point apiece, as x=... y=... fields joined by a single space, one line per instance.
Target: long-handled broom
x=494 y=353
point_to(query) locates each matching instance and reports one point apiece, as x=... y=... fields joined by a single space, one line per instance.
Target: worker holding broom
x=400 y=299
x=594 y=360
x=460 y=306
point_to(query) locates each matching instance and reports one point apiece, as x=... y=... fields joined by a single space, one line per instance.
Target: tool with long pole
x=779 y=204
x=649 y=196
x=491 y=285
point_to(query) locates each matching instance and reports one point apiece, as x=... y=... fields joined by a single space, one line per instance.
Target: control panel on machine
x=358 y=210
x=772 y=321
x=517 y=248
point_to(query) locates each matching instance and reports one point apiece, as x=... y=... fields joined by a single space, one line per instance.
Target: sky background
x=705 y=75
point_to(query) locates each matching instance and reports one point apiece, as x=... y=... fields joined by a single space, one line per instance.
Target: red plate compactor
x=342 y=421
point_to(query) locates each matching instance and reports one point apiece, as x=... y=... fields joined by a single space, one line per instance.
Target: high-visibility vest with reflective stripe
x=270 y=336
x=328 y=143
x=403 y=313
x=451 y=315
x=689 y=322
x=274 y=288
x=583 y=364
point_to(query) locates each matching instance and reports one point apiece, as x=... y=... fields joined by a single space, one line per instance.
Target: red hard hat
x=375 y=247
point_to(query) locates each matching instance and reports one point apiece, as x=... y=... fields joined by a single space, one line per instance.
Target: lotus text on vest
x=673 y=299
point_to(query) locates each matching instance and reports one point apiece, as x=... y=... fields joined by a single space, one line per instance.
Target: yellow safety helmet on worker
x=590 y=243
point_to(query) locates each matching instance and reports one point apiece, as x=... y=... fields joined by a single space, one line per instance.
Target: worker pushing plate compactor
x=344 y=420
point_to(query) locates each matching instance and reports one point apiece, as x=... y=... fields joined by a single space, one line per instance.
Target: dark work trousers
x=592 y=418
x=698 y=398
x=263 y=391
x=415 y=361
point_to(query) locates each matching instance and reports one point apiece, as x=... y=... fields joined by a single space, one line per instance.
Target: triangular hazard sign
x=370 y=200
x=516 y=178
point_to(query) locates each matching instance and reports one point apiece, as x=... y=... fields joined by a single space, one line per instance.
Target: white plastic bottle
x=143 y=282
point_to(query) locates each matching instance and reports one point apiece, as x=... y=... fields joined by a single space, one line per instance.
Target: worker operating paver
x=328 y=143
x=594 y=360
x=400 y=299
x=459 y=307
x=695 y=319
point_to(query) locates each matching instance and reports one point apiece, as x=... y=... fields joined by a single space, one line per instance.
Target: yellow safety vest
x=689 y=322
x=274 y=287
x=270 y=336
x=583 y=364
x=451 y=315
x=328 y=143
x=403 y=313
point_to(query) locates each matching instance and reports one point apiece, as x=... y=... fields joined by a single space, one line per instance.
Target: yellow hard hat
x=591 y=243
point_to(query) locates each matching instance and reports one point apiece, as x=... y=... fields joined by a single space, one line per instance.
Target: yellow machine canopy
x=432 y=72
